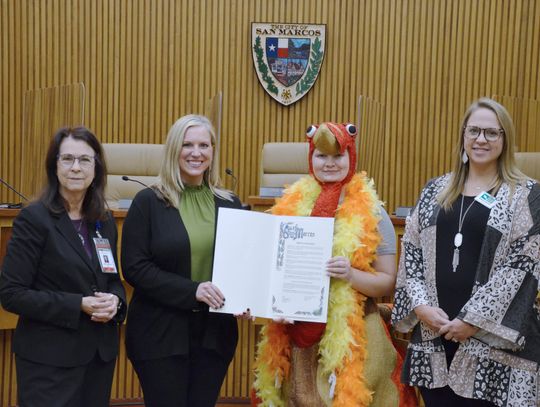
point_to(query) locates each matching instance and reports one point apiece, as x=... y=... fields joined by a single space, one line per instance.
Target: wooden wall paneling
x=533 y=40
x=127 y=133
x=490 y=32
x=382 y=49
x=406 y=147
x=516 y=54
x=439 y=145
x=134 y=80
x=45 y=110
x=167 y=80
x=109 y=108
x=16 y=80
x=151 y=68
x=402 y=102
x=526 y=116
x=529 y=132
x=425 y=114
x=148 y=70
x=239 y=377
x=8 y=102
x=252 y=142
x=371 y=138
x=241 y=65
x=132 y=388
x=4 y=170
x=387 y=90
x=157 y=74
x=8 y=386
x=114 y=74
x=506 y=65
x=125 y=382
x=255 y=141
x=532 y=129
x=214 y=111
x=338 y=112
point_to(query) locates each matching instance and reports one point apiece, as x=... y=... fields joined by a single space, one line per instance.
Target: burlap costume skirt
x=306 y=388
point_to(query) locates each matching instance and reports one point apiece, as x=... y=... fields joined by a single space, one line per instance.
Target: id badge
x=105 y=256
x=486 y=199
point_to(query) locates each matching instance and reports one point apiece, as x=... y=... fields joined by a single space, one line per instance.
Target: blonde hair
x=170 y=183
x=507 y=170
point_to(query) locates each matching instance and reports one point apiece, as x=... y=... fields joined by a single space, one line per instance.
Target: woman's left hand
x=457 y=331
x=208 y=293
x=339 y=267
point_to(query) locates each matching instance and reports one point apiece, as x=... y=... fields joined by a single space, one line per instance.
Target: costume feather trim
x=342 y=346
x=272 y=365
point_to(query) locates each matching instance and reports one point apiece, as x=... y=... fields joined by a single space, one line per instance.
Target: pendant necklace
x=458 y=238
x=79 y=231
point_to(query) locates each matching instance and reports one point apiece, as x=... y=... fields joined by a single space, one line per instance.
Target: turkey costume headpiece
x=331 y=139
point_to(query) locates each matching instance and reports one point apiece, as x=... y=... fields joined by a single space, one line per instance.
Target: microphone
x=126 y=178
x=17 y=192
x=230 y=172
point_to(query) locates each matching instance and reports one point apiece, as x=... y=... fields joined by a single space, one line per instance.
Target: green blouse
x=197 y=209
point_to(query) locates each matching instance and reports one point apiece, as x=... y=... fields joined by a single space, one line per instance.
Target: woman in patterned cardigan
x=468 y=275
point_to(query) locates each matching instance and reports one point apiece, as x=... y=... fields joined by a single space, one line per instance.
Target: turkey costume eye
x=351 y=129
x=310 y=132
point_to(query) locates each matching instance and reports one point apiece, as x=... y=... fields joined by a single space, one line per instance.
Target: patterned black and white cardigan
x=501 y=362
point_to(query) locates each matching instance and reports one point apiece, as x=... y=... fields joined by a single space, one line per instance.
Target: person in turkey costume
x=350 y=360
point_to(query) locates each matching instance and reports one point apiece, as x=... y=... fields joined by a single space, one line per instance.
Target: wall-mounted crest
x=287 y=58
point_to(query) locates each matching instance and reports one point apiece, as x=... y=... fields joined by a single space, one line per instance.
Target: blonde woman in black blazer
x=66 y=340
x=180 y=351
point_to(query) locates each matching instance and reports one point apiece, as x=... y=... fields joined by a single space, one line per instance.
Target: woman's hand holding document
x=273 y=265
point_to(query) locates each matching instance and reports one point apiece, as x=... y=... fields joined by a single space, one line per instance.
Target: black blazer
x=156 y=261
x=45 y=274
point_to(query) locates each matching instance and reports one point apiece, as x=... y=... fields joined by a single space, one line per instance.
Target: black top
x=156 y=262
x=45 y=274
x=454 y=288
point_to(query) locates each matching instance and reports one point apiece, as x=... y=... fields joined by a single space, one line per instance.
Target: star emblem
x=286 y=95
x=272 y=47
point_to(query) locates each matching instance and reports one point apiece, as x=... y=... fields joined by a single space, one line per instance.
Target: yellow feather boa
x=342 y=346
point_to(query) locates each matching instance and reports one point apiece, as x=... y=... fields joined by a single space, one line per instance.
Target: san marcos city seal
x=287 y=58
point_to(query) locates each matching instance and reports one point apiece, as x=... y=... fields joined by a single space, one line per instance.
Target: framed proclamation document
x=273 y=265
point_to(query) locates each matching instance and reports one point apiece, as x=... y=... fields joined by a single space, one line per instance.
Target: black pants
x=192 y=380
x=41 y=385
x=179 y=381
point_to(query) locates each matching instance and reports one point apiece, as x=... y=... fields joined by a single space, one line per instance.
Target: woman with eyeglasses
x=468 y=278
x=68 y=298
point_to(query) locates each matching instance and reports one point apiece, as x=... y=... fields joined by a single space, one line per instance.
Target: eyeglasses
x=490 y=133
x=85 y=161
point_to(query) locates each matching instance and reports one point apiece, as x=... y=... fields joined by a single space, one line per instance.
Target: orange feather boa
x=342 y=346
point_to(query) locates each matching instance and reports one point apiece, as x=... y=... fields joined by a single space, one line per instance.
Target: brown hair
x=93 y=207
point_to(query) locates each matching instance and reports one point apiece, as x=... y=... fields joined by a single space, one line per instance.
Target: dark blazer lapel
x=67 y=230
